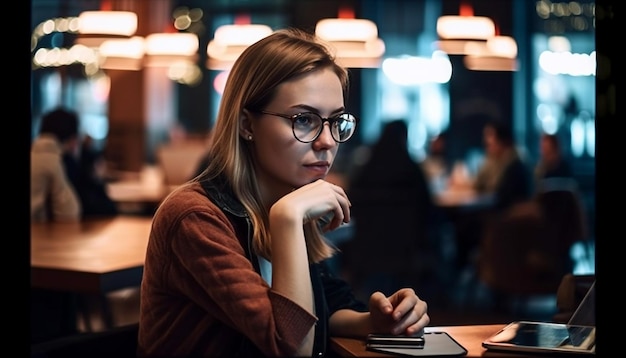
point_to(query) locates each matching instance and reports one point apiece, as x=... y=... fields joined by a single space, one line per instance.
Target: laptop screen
x=585 y=314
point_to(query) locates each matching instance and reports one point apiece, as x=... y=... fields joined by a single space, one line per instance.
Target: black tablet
x=543 y=337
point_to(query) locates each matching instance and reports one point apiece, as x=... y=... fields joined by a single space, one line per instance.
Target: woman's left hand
x=401 y=313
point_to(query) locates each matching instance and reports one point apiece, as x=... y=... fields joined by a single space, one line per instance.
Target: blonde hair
x=251 y=84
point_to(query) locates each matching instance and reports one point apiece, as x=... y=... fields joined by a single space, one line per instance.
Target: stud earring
x=249 y=137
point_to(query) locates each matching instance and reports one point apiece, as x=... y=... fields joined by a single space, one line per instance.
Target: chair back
x=570 y=294
x=526 y=250
x=563 y=213
x=179 y=161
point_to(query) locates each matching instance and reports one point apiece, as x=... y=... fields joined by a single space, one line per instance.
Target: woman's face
x=283 y=162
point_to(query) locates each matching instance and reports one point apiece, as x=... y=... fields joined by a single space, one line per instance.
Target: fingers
x=380 y=302
x=339 y=202
x=403 y=301
x=406 y=313
x=415 y=321
x=316 y=200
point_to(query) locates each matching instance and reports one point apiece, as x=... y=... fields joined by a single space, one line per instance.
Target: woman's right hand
x=314 y=201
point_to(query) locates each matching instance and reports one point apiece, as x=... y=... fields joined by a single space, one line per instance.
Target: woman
x=235 y=264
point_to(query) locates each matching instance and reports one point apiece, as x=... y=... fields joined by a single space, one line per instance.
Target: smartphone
x=440 y=344
x=392 y=341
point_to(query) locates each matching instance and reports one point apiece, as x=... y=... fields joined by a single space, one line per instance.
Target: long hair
x=251 y=84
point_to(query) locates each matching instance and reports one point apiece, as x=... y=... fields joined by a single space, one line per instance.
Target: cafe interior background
x=134 y=99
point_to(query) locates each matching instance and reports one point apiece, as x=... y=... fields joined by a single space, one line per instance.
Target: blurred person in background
x=53 y=198
x=393 y=211
x=86 y=170
x=436 y=164
x=52 y=195
x=503 y=174
x=551 y=163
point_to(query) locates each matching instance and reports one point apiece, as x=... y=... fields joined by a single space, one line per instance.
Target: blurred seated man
x=86 y=171
x=551 y=162
x=504 y=176
x=52 y=196
x=552 y=166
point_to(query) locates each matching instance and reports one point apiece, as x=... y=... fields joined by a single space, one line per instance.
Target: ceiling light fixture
x=230 y=41
x=498 y=53
x=354 y=41
x=164 y=49
x=455 y=32
x=95 y=27
x=122 y=54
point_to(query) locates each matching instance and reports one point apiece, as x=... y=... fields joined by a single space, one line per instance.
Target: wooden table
x=470 y=337
x=92 y=256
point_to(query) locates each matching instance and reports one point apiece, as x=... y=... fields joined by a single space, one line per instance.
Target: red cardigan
x=200 y=292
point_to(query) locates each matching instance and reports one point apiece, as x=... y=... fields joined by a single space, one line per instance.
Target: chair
x=525 y=251
x=179 y=161
x=120 y=342
x=563 y=205
x=571 y=292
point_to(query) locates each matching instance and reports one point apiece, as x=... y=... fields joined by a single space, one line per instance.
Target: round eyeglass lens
x=346 y=124
x=306 y=126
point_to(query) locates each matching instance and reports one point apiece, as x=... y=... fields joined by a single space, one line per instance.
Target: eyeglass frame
x=331 y=121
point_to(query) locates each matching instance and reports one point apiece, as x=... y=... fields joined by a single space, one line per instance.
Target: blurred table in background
x=92 y=257
x=462 y=210
x=139 y=193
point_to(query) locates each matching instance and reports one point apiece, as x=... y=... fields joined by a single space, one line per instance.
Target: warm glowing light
x=130 y=48
x=240 y=34
x=175 y=43
x=346 y=30
x=354 y=41
x=459 y=47
x=94 y=27
x=465 y=27
x=497 y=46
x=490 y=63
x=120 y=23
x=503 y=46
x=126 y=54
x=165 y=49
x=230 y=41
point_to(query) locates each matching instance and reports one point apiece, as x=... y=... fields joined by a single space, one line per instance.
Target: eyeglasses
x=308 y=126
